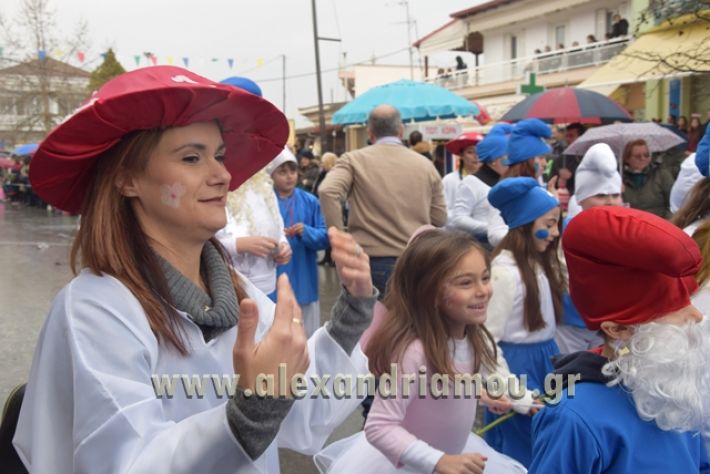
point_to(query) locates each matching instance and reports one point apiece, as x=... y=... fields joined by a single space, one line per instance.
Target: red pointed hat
x=463 y=141
x=159 y=97
x=628 y=266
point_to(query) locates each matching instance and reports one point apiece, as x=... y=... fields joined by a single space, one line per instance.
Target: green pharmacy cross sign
x=531 y=87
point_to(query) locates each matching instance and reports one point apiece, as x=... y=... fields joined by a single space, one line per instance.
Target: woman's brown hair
x=702 y=238
x=110 y=240
x=696 y=206
x=412 y=301
x=523 y=168
x=519 y=242
x=628 y=148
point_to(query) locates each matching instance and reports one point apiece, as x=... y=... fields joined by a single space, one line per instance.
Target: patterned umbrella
x=617 y=135
x=568 y=104
x=415 y=100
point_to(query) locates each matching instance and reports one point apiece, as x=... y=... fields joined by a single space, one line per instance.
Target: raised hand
x=284 y=342
x=352 y=264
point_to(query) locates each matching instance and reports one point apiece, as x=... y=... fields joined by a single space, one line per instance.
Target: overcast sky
x=252 y=32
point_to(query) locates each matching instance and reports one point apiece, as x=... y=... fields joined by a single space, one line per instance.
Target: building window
x=513 y=47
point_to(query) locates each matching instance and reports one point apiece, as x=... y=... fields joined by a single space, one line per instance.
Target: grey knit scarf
x=219 y=311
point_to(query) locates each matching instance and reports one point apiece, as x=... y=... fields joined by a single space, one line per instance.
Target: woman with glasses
x=647 y=186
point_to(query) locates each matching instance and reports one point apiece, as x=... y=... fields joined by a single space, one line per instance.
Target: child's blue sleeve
x=315 y=233
x=562 y=444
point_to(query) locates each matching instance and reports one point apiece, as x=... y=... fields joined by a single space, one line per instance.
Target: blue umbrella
x=415 y=101
x=21 y=150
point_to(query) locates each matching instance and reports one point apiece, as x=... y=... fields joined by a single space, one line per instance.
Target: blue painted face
x=541 y=234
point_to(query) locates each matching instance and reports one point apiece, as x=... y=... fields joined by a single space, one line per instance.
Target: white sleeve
x=466 y=201
x=313 y=418
x=497 y=229
x=421 y=456
x=501 y=304
x=90 y=405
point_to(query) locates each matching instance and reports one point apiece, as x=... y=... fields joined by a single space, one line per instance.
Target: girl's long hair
x=111 y=241
x=522 y=168
x=696 y=206
x=702 y=238
x=520 y=243
x=412 y=301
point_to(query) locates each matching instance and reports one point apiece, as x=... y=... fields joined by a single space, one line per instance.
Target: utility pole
x=321 y=117
x=409 y=40
x=316 y=38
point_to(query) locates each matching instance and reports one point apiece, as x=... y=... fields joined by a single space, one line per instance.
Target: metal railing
x=544 y=63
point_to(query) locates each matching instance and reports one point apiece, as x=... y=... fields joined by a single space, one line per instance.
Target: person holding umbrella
x=647 y=186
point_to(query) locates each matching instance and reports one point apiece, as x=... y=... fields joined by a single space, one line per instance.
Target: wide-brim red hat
x=463 y=141
x=160 y=97
x=628 y=266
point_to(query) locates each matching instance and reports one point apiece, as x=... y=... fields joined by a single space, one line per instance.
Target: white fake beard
x=666 y=373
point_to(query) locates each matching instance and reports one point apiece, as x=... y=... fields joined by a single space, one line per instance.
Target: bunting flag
x=230 y=61
x=153 y=59
x=186 y=61
x=169 y=60
x=80 y=56
x=41 y=54
x=58 y=53
x=103 y=56
x=137 y=59
x=259 y=62
x=2 y=50
x=214 y=60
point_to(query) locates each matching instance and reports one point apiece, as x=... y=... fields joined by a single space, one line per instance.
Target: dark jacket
x=649 y=190
x=487 y=175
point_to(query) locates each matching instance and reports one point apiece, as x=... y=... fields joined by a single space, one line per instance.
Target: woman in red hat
x=463 y=146
x=636 y=403
x=148 y=360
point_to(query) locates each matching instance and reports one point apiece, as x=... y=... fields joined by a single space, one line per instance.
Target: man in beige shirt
x=391 y=191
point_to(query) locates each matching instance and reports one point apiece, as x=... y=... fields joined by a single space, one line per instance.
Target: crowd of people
x=197 y=254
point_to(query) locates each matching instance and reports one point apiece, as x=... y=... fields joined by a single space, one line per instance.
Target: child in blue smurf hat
x=526 y=305
x=525 y=157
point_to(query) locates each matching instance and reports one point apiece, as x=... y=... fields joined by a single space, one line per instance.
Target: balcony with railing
x=576 y=57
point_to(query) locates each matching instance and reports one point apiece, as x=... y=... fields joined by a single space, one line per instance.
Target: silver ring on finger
x=358 y=250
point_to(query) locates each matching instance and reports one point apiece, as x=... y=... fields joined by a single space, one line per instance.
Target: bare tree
x=37 y=90
x=676 y=15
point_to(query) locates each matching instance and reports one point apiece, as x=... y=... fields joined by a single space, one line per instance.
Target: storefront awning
x=658 y=54
x=449 y=37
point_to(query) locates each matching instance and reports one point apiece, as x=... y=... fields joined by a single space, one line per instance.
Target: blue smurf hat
x=526 y=141
x=702 y=154
x=243 y=83
x=501 y=129
x=495 y=144
x=521 y=200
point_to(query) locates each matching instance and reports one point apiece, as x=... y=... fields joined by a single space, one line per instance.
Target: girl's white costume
x=413 y=432
x=252 y=210
x=91 y=407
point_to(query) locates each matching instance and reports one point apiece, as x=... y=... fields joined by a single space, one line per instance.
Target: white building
x=35 y=96
x=514 y=37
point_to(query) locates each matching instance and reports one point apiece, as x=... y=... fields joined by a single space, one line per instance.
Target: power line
x=313 y=73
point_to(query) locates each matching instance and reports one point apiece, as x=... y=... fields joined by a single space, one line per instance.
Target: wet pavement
x=34 y=266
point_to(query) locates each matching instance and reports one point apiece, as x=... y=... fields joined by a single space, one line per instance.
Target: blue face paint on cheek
x=541 y=234
x=536 y=167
